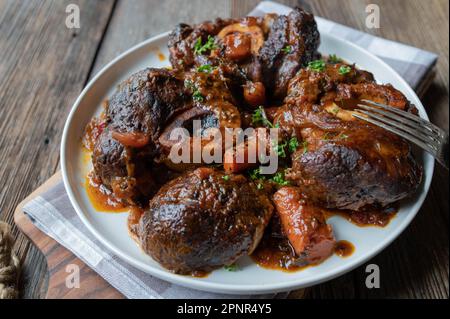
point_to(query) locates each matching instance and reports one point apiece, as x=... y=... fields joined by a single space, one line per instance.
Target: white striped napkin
x=53 y=214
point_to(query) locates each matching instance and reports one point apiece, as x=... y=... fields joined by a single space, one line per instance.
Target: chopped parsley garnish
x=293 y=144
x=259 y=118
x=279 y=179
x=333 y=58
x=335 y=110
x=317 y=65
x=232 y=267
x=305 y=145
x=188 y=84
x=200 y=48
x=206 y=68
x=287 y=49
x=226 y=177
x=255 y=174
x=327 y=136
x=281 y=149
x=197 y=96
x=344 y=69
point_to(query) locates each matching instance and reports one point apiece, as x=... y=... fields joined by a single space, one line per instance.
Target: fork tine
x=403 y=128
x=404 y=123
x=400 y=133
x=413 y=117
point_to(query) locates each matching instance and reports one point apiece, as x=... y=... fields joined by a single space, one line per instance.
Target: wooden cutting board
x=92 y=286
x=58 y=258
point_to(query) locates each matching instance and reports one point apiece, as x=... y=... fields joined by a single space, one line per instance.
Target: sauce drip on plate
x=344 y=248
x=102 y=198
x=377 y=218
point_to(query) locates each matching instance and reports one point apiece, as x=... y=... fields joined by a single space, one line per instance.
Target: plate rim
x=194 y=283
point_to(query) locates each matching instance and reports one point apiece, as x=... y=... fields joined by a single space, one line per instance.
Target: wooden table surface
x=44 y=66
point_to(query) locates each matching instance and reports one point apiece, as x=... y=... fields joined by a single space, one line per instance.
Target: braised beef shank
x=345 y=163
x=204 y=220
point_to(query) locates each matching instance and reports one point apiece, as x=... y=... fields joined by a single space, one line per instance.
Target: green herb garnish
x=287 y=49
x=279 y=179
x=333 y=58
x=197 y=96
x=335 y=110
x=305 y=145
x=255 y=174
x=344 y=69
x=200 y=48
x=226 y=177
x=281 y=149
x=232 y=267
x=206 y=68
x=293 y=144
x=317 y=65
x=188 y=84
x=259 y=118
x=259 y=186
x=343 y=136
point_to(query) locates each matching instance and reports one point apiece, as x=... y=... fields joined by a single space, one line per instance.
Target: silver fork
x=424 y=134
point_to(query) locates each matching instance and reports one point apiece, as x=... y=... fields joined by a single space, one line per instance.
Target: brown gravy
x=101 y=198
x=377 y=218
x=344 y=248
x=275 y=252
x=161 y=56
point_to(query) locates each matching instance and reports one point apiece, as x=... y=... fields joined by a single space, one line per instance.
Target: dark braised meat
x=130 y=173
x=345 y=163
x=304 y=225
x=135 y=115
x=123 y=170
x=183 y=38
x=267 y=50
x=292 y=42
x=204 y=220
x=142 y=105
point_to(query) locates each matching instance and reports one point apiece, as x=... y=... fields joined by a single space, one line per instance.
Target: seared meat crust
x=203 y=220
x=146 y=101
x=292 y=42
x=136 y=114
x=281 y=45
x=345 y=163
x=125 y=170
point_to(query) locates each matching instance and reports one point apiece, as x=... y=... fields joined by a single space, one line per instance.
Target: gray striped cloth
x=53 y=214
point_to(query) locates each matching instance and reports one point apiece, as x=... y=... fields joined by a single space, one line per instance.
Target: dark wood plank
x=135 y=21
x=44 y=66
x=57 y=258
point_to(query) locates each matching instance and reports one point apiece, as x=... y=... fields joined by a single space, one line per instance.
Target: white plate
x=111 y=229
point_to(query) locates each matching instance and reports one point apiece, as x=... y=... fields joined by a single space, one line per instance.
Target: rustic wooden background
x=44 y=66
